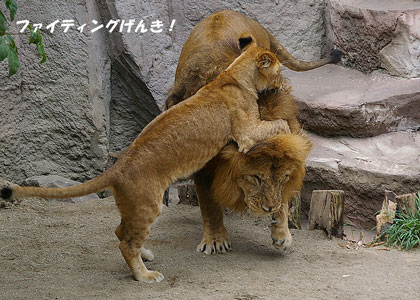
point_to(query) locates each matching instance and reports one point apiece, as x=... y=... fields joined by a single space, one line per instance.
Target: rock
x=334 y=100
x=376 y=33
x=187 y=194
x=53 y=181
x=181 y=191
x=132 y=106
x=172 y=195
x=97 y=90
x=401 y=56
x=53 y=116
x=152 y=57
x=364 y=169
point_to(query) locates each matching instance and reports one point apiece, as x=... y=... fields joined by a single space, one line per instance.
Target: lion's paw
x=282 y=240
x=147 y=255
x=150 y=277
x=214 y=246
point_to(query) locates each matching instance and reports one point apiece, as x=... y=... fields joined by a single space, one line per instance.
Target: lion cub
x=176 y=144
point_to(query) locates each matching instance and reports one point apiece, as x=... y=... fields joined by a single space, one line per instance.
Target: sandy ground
x=57 y=250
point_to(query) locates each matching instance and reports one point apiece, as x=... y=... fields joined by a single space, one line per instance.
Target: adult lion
x=177 y=143
x=210 y=48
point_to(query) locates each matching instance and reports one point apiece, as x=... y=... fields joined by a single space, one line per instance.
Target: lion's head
x=264 y=177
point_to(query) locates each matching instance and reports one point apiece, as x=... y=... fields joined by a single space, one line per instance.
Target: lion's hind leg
x=146 y=254
x=215 y=236
x=137 y=217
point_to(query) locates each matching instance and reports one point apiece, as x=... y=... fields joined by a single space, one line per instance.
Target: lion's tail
x=96 y=184
x=297 y=65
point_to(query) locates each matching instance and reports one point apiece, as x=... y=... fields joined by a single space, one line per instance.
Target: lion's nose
x=266 y=208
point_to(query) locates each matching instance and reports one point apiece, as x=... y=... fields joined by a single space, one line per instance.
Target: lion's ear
x=265 y=60
x=246 y=40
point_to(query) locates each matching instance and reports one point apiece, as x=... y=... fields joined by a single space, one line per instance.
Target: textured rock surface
x=53 y=181
x=364 y=29
x=298 y=25
x=97 y=90
x=131 y=106
x=53 y=115
x=334 y=100
x=364 y=168
x=402 y=56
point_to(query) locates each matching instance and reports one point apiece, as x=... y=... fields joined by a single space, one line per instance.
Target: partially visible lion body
x=175 y=144
x=229 y=181
x=212 y=46
x=284 y=153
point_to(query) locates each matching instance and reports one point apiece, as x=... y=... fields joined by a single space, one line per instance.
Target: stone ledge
x=364 y=169
x=334 y=100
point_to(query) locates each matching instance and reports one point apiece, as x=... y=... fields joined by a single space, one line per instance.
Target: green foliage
x=405 y=231
x=8 y=47
x=12 y=6
x=3 y=27
x=36 y=38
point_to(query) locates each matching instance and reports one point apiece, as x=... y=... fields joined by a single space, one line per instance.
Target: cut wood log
x=326 y=212
x=294 y=211
x=187 y=194
x=387 y=213
x=406 y=203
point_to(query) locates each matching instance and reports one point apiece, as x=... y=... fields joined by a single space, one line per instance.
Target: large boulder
x=98 y=90
x=299 y=26
x=53 y=116
x=401 y=56
x=364 y=168
x=335 y=101
x=376 y=34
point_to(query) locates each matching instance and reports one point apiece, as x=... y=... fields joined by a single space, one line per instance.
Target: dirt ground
x=57 y=250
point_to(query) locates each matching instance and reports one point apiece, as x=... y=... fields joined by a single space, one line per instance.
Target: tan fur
x=210 y=48
x=279 y=162
x=177 y=143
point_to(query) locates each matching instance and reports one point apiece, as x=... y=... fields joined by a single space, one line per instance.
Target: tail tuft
x=335 y=56
x=6 y=193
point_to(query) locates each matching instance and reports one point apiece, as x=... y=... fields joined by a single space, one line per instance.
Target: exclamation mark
x=172 y=25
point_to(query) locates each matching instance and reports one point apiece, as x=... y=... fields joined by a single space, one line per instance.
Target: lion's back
x=211 y=47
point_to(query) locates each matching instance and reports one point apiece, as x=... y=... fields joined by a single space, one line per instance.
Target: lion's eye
x=257 y=178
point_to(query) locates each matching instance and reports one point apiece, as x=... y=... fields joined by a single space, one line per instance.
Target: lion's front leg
x=280 y=233
x=215 y=236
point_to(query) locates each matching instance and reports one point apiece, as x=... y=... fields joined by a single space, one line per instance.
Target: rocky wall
x=98 y=90
x=53 y=115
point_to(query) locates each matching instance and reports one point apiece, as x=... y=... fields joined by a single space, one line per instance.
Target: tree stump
x=326 y=212
x=407 y=203
x=387 y=213
x=187 y=194
x=294 y=211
